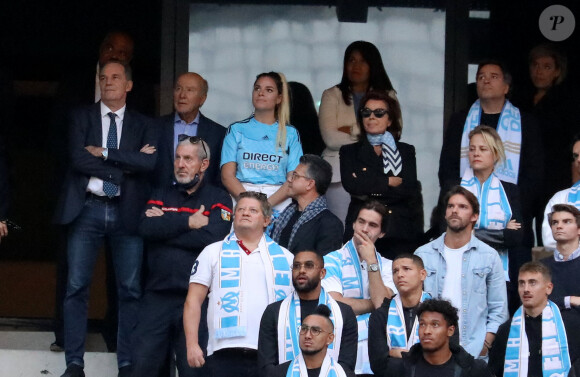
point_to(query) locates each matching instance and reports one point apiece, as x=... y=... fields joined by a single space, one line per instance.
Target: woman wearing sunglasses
x=258 y=152
x=380 y=167
x=363 y=70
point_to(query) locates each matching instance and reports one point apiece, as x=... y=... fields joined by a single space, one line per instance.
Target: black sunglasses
x=379 y=113
x=193 y=140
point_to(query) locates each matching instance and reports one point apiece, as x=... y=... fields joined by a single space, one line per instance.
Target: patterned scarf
x=391 y=156
x=396 y=329
x=494 y=208
x=352 y=286
x=574 y=195
x=509 y=128
x=311 y=211
x=555 y=356
x=329 y=368
x=231 y=318
x=289 y=318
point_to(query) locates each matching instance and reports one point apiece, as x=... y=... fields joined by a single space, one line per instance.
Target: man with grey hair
x=189 y=94
x=307 y=223
x=180 y=221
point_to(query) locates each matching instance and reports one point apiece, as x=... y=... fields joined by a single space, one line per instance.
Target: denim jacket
x=484 y=303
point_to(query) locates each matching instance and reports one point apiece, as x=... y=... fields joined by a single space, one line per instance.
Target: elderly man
x=307 y=223
x=357 y=275
x=315 y=357
x=189 y=94
x=181 y=219
x=242 y=274
x=467 y=272
x=112 y=151
x=277 y=342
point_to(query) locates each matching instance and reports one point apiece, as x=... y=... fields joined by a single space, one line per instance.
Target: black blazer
x=125 y=166
x=362 y=175
x=4 y=187
x=210 y=131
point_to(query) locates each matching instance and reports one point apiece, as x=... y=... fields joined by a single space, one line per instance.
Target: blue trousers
x=100 y=222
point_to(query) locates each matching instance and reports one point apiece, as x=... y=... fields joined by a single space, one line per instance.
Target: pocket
x=479 y=284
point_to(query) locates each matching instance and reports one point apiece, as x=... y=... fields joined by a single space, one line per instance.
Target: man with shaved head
x=189 y=94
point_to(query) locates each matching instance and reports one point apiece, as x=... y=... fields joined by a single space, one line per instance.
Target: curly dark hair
x=448 y=311
x=393 y=111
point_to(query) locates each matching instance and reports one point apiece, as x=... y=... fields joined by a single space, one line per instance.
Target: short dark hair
x=323 y=311
x=536 y=266
x=448 y=311
x=575 y=139
x=319 y=170
x=459 y=190
x=507 y=76
x=319 y=258
x=565 y=208
x=378 y=207
x=261 y=197
x=393 y=110
x=126 y=67
x=417 y=261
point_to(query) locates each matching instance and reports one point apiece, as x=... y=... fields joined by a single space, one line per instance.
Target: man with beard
x=468 y=273
x=281 y=319
x=436 y=354
x=181 y=219
x=315 y=358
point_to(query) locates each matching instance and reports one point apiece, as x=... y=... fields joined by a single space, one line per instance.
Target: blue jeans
x=99 y=222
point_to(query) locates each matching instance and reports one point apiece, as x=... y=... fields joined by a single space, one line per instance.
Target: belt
x=247 y=352
x=104 y=199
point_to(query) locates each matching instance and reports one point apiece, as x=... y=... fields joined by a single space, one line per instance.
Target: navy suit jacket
x=210 y=131
x=126 y=166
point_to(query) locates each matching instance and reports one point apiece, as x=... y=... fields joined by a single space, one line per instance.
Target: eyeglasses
x=291 y=176
x=379 y=113
x=307 y=266
x=314 y=330
x=193 y=140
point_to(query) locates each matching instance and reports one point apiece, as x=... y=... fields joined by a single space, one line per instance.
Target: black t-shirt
x=424 y=369
x=409 y=314
x=534 y=334
x=287 y=231
x=489 y=119
x=314 y=372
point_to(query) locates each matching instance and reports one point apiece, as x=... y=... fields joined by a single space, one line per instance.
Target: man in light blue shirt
x=468 y=273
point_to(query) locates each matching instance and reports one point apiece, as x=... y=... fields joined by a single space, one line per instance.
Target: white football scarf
x=231 y=317
x=396 y=329
x=509 y=128
x=329 y=368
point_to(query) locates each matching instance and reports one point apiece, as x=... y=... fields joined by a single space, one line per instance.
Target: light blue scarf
x=574 y=195
x=289 y=318
x=509 y=128
x=494 y=208
x=329 y=368
x=231 y=318
x=391 y=157
x=396 y=329
x=555 y=356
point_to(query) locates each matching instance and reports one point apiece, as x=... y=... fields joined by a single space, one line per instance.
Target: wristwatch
x=373 y=267
x=105 y=153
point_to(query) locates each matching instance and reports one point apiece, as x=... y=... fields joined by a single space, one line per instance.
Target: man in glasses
x=357 y=275
x=307 y=223
x=316 y=334
x=278 y=340
x=242 y=275
x=568 y=196
x=180 y=221
x=189 y=94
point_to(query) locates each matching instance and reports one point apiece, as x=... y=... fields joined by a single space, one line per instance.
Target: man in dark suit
x=188 y=96
x=112 y=150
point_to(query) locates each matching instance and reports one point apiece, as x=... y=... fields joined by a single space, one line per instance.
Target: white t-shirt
x=452 y=284
x=254 y=292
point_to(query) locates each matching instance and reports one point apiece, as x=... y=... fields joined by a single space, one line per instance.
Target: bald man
x=189 y=94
